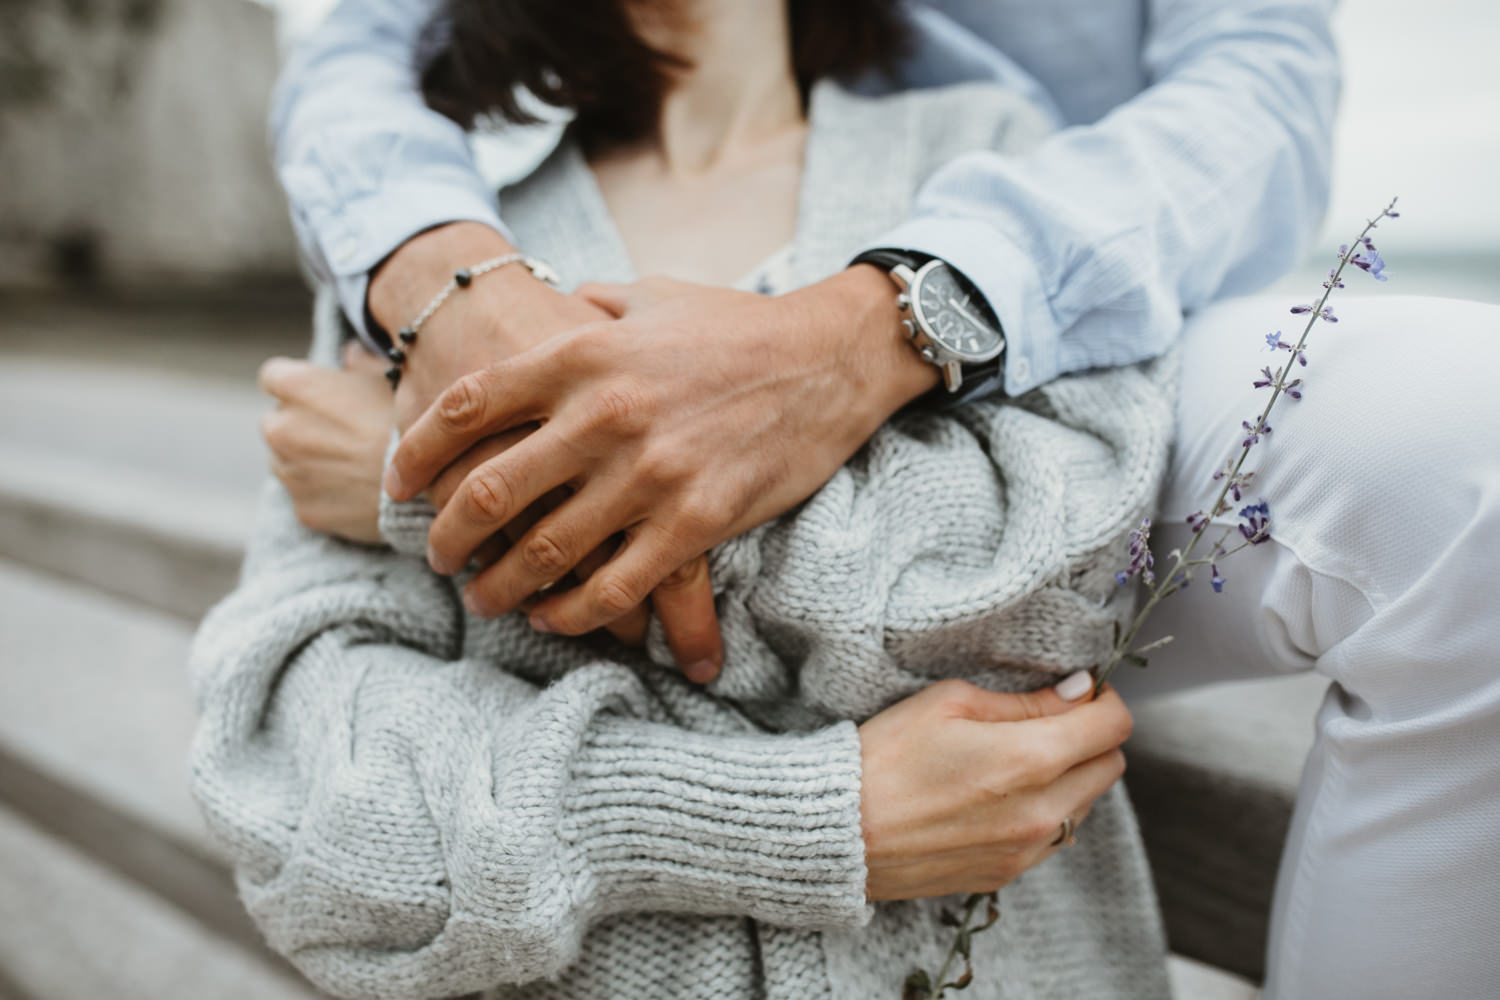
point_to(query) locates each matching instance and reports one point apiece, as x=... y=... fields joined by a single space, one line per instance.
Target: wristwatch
x=949 y=322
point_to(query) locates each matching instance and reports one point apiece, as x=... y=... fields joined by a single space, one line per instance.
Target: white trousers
x=1383 y=575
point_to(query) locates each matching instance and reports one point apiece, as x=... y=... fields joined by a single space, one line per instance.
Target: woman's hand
x=697 y=415
x=328 y=436
x=964 y=789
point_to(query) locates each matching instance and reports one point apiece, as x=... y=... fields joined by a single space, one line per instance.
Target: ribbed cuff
x=766 y=825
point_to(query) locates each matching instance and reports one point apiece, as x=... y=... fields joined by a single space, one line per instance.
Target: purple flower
x=1299 y=310
x=1197 y=520
x=1334 y=281
x=1218 y=580
x=1371 y=262
x=1253 y=434
x=1268 y=377
x=1291 y=390
x=1257 y=522
x=1273 y=340
x=1141 y=559
x=1328 y=315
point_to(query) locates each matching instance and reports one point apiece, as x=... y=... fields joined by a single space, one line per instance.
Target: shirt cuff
x=367 y=230
x=1008 y=280
x=767 y=825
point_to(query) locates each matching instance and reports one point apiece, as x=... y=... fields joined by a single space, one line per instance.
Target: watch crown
x=928 y=354
x=910 y=328
x=903 y=301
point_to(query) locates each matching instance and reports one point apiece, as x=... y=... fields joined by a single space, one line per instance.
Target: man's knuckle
x=613 y=595
x=624 y=405
x=461 y=406
x=685 y=575
x=490 y=494
x=545 y=555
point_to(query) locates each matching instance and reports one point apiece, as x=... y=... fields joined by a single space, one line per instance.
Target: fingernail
x=702 y=672
x=393 y=482
x=474 y=604
x=540 y=624
x=1075 y=686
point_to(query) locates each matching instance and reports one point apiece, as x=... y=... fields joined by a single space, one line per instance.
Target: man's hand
x=699 y=414
x=505 y=314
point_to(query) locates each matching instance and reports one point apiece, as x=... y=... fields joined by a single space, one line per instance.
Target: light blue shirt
x=1192 y=160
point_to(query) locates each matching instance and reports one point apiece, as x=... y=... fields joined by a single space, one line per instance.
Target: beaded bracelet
x=462 y=278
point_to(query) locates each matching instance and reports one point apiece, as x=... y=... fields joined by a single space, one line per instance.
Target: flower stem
x=1170 y=582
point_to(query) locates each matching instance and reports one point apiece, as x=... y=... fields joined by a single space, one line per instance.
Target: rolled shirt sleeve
x=364 y=162
x=1211 y=181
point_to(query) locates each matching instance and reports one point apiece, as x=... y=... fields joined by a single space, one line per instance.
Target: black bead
x=396 y=354
x=407 y=335
x=463 y=276
x=393 y=375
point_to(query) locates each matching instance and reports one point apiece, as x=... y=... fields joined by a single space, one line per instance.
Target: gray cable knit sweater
x=420 y=803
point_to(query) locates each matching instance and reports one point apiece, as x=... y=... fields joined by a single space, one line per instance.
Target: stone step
x=95 y=720
x=1213 y=776
x=142 y=485
x=72 y=928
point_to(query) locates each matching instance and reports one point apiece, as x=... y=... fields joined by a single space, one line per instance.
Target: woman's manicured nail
x=541 y=624
x=702 y=672
x=1075 y=686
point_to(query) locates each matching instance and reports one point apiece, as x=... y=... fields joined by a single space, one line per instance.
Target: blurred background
x=146 y=267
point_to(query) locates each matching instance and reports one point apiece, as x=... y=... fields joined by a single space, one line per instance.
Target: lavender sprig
x=921 y=986
x=1254 y=526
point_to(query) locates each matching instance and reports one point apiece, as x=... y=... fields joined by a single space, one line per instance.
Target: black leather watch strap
x=886 y=258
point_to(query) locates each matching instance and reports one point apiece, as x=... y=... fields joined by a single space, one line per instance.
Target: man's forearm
x=364 y=162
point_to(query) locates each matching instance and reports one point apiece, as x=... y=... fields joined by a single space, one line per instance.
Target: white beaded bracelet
x=462 y=278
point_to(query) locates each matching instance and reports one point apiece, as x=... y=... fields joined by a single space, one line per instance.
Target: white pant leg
x=1384 y=486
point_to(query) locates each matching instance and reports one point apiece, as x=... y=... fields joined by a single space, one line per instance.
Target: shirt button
x=1020 y=369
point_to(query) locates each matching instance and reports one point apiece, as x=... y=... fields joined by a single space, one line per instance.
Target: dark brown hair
x=586 y=56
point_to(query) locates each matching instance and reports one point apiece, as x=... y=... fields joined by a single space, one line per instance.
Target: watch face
x=956 y=317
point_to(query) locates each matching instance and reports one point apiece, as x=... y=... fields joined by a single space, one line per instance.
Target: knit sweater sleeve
x=407 y=822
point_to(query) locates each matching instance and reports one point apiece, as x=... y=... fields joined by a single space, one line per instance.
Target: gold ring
x=1065 y=837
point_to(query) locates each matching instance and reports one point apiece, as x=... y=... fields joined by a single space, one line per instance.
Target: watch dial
x=958 y=319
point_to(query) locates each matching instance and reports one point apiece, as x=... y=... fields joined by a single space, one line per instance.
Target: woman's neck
x=740 y=91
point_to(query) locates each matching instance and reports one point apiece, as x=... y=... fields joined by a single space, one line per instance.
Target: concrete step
x=71 y=928
x=136 y=481
x=1213 y=775
x=95 y=720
